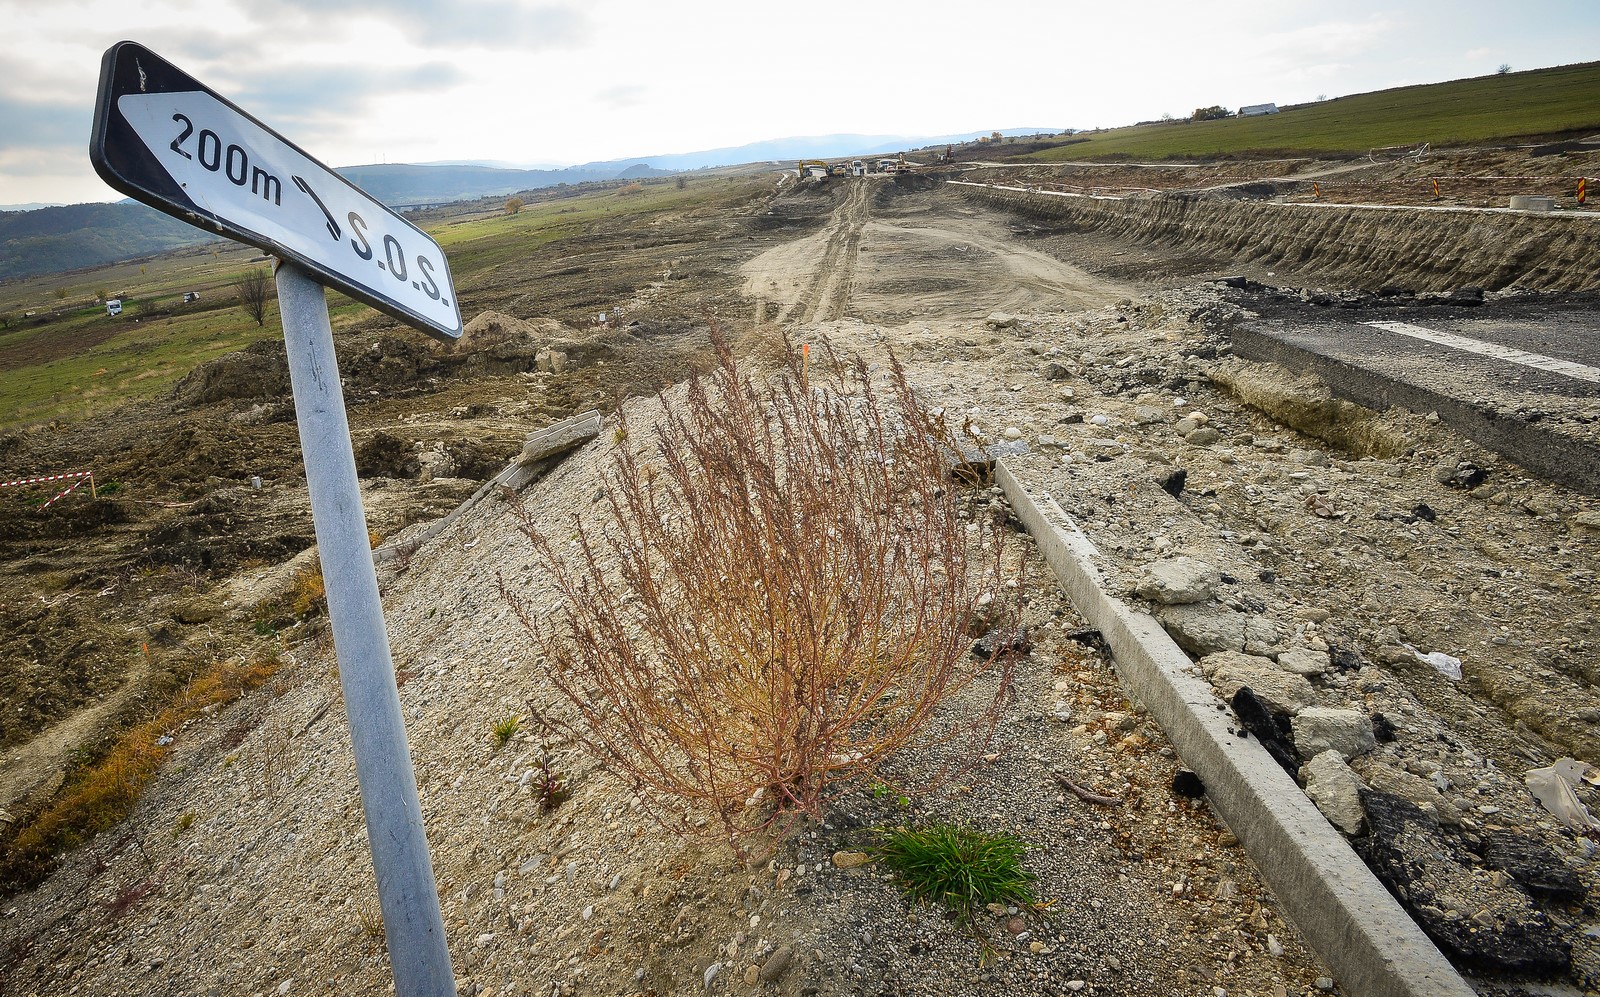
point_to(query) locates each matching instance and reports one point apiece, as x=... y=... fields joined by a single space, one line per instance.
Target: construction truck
x=812 y=169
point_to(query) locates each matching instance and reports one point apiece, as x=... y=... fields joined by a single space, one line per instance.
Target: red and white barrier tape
x=70 y=489
x=81 y=476
x=48 y=477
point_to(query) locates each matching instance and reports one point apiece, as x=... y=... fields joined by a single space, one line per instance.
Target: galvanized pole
x=407 y=893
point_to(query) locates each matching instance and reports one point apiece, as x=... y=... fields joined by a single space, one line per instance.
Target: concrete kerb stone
x=1368 y=941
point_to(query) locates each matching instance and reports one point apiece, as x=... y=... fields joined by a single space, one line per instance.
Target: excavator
x=812 y=169
x=899 y=164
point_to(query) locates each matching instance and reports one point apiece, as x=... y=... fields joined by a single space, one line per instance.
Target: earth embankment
x=1420 y=248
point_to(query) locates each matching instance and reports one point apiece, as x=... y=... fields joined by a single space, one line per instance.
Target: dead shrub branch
x=778 y=598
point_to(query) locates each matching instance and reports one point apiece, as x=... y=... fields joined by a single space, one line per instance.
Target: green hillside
x=1485 y=109
x=52 y=240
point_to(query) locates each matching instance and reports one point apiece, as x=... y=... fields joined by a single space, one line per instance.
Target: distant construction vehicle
x=897 y=165
x=812 y=169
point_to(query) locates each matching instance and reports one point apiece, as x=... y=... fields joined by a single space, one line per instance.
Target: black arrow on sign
x=333 y=226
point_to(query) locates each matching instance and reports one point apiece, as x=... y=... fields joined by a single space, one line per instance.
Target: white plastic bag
x=1442 y=663
x=1553 y=786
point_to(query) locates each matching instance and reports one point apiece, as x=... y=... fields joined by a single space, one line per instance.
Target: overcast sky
x=366 y=81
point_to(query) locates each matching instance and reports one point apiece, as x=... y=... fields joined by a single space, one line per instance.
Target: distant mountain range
x=402 y=185
x=38 y=240
x=409 y=185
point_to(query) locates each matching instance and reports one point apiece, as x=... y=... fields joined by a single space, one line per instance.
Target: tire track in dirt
x=830 y=288
x=809 y=279
x=886 y=258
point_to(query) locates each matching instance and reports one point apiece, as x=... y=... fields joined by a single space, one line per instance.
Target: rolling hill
x=52 y=240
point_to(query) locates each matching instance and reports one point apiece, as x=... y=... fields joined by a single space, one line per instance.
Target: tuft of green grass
x=960 y=867
x=505 y=730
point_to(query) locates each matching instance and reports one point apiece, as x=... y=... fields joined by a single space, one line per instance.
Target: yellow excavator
x=812 y=168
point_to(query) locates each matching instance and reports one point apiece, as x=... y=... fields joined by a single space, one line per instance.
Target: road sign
x=164 y=138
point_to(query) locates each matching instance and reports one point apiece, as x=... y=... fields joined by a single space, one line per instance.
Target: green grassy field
x=70 y=359
x=1486 y=109
x=477 y=243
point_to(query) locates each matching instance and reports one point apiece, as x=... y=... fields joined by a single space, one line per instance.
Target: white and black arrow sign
x=163 y=138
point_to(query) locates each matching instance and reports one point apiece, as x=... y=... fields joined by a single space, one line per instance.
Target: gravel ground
x=268 y=887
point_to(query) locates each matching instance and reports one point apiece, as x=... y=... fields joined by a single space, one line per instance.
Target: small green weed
x=505 y=730
x=184 y=822
x=962 y=868
x=883 y=791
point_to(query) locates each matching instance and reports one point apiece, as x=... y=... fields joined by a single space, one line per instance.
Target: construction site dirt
x=1380 y=565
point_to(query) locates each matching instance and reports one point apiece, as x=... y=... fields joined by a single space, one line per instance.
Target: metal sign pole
x=407 y=893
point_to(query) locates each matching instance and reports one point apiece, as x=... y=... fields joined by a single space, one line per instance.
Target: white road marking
x=1582 y=372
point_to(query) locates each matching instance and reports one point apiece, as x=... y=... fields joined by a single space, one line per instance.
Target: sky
x=354 y=82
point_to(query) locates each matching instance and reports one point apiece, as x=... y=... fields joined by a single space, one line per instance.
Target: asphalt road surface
x=1521 y=378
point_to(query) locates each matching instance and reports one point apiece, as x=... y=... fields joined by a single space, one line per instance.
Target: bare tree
x=254 y=288
x=1505 y=67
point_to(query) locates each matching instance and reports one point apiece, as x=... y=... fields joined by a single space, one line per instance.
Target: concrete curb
x=1368 y=941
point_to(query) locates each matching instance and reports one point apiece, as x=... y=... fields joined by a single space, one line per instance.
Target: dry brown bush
x=778 y=598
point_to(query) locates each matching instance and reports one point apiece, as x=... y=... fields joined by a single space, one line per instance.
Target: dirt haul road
x=1306 y=568
x=905 y=259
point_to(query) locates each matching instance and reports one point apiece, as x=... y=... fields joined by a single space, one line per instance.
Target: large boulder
x=1336 y=791
x=1380 y=775
x=1280 y=691
x=1178 y=580
x=1318 y=729
x=1305 y=661
x=1203 y=628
